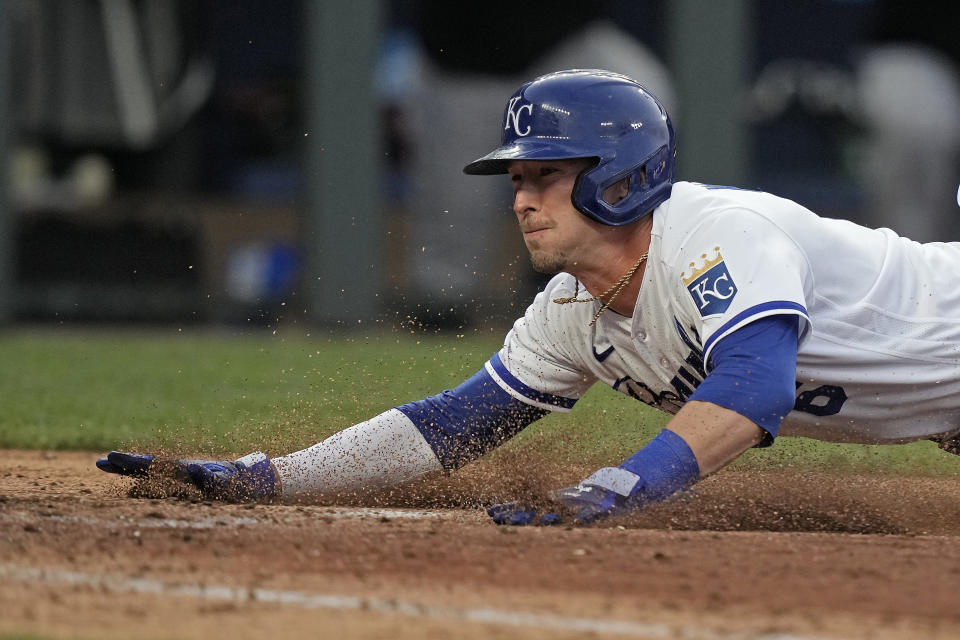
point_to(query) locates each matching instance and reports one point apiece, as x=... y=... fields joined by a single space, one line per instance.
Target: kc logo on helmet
x=710 y=285
x=513 y=116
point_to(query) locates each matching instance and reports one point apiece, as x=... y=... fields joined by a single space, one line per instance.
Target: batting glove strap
x=616 y=479
x=259 y=474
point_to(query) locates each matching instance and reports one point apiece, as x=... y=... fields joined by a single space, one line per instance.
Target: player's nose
x=525 y=200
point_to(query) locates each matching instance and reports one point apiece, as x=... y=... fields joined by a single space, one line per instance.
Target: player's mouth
x=535 y=238
x=534 y=231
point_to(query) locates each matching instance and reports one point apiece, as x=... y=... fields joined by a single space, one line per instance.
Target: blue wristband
x=665 y=466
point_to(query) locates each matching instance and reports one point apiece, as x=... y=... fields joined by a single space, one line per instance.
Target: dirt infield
x=773 y=555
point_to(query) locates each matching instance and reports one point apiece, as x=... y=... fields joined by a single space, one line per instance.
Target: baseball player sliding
x=744 y=315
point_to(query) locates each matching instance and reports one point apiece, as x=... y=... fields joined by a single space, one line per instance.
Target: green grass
x=100 y=388
x=228 y=393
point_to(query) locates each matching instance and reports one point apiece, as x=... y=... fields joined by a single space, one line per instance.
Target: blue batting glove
x=590 y=502
x=581 y=504
x=518 y=514
x=249 y=478
x=126 y=464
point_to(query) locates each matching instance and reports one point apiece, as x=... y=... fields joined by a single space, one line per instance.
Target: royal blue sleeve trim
x=528 y=392
x=462 y=424
x=754 y=372
x=776 y=305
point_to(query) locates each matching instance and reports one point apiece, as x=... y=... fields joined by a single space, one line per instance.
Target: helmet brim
x=497 y=161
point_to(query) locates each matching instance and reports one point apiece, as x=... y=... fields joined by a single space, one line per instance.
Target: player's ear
x=617 y=191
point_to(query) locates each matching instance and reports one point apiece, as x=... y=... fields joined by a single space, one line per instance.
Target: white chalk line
x=370 y=512
x=306 y=600
x=215 y=522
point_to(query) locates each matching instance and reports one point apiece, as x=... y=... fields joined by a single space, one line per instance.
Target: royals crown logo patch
x=710 y=284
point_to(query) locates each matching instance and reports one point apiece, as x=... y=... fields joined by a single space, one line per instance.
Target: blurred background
x=281 y=162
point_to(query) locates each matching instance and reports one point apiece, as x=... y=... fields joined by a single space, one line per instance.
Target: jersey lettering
x=695 y=360
x=682 y=390
x=684 y=383
x=689 y=377
x=665 y=400
x=825 y=400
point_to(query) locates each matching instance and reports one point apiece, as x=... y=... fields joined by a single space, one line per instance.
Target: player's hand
x=592 y=499
x=250 y=478
x=589 y=502
x=520 y=514
x=580 y=504
x=664 y=467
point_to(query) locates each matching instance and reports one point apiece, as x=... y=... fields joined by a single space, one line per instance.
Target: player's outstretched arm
x=699 y=440
x=434 y=434
x=383 y=451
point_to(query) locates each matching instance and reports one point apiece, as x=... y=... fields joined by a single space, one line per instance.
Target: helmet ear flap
x=648 y=185
x=618 y=190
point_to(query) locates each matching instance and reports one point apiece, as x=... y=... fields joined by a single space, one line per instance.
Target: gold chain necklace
x=610 y=294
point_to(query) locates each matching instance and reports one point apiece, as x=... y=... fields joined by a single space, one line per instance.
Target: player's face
x=553 y=230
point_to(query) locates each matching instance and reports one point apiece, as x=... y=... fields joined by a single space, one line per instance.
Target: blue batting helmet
x=591 y=114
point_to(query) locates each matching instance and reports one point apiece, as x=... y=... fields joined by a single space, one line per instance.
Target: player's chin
x=546 y=263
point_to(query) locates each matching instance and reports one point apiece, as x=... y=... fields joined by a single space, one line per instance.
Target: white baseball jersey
x=879 y=352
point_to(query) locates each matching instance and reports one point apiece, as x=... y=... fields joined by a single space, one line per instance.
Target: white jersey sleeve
x=540 y=362
x=384 y=451
x=878 y=358
x=736 y=267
